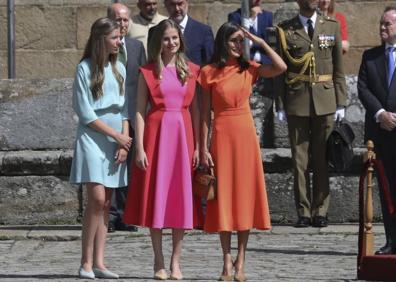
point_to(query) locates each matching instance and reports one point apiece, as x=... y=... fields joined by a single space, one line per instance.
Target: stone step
x=34 y=188
x=58 y=162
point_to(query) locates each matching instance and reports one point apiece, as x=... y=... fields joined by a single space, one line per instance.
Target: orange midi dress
x=241 y=202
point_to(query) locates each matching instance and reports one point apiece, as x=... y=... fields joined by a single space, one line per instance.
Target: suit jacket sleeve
x=366 y=96
x=207 y=51
x=268 y=22
x=149 y=36
x=279 y=81
x=142 y=55
x=338 y=71
x=234 y=17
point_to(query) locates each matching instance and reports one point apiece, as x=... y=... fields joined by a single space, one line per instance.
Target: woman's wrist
x=116 y=135
x=139 y=148
x=263 y=44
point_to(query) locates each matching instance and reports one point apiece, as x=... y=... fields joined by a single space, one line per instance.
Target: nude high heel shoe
x=160 y=274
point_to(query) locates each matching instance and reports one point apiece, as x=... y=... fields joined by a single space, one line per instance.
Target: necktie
x=391 y=64
x=251 y=29
x=122 y=56
x=310 y=28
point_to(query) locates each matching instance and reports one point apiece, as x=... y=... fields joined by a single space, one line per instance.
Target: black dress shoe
x=385 y=250
x=126 y=227
x=111 y=227
x=320 y=221
x=131 y=228
x=302 y=222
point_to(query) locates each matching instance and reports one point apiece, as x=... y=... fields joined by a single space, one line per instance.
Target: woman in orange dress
x=241 y=202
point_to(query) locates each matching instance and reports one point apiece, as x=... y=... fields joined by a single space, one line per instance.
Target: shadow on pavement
x=41 y=227
x=64 y=276
x=300 y=252
x=38 y=276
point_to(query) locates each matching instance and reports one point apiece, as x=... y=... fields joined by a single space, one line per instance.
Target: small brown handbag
x=204 y=184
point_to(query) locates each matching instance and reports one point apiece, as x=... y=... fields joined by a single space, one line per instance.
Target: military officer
x=310 y=95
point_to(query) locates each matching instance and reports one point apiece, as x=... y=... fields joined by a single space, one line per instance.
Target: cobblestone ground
x=283 y=254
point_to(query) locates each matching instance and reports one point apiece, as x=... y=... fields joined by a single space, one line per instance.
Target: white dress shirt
x=304 y=20
x=183 y=23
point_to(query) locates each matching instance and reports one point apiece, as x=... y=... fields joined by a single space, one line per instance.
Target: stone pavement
x=52 y=253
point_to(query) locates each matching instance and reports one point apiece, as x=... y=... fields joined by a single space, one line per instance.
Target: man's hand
x=387 y=120
x=339 y=114
x=281 y=116
x=121 y=155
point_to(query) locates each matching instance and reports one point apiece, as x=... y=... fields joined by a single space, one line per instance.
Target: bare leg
x=225 y=240
x=159 y=265
x=93 y=211
x=243 y=237
x=177 y=241
x=101 y=232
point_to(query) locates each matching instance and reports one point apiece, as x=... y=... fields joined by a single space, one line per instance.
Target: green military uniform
x=309 y=92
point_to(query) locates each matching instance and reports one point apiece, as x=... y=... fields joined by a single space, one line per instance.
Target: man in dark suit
x=377 y=92
x=198 y=36
x=132 y=55
x=311 y=97
x=258 y=22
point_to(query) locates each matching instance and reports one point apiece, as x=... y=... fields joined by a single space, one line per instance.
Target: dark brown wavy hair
x=220 y=54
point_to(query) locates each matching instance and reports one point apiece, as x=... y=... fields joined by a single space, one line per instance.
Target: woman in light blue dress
x=102 y=140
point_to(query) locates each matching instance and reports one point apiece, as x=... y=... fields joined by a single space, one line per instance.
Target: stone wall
x=37 y=129
x=50 y=34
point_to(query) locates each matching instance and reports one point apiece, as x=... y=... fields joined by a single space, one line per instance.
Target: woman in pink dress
x=160 y=193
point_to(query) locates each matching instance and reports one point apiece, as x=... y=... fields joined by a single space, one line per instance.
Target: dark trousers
x=386 y=152
x=118 y=199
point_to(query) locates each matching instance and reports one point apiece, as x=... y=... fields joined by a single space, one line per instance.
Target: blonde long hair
x=95 y=50
x=155 y=50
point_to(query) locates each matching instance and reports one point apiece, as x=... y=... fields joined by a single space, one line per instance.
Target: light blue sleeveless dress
x=94 y=152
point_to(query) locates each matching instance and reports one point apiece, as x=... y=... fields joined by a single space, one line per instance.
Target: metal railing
x=11 y=38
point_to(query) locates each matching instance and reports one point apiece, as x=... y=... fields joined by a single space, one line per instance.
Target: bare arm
x=195 y=124
x=122 y=154
x=206 y=158
x=142 y=97
x=123 y=140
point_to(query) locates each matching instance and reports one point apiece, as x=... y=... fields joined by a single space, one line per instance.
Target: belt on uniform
x=311 y=78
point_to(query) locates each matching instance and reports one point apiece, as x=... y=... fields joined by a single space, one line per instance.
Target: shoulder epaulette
x=330 y=19
x=284 y=23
